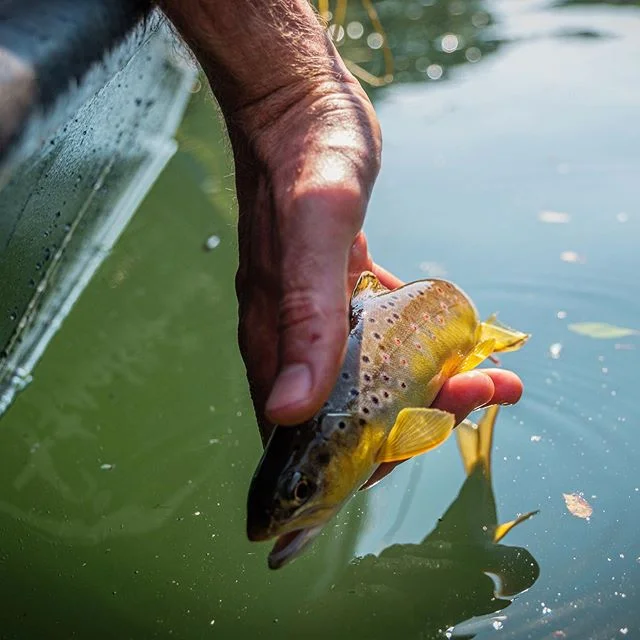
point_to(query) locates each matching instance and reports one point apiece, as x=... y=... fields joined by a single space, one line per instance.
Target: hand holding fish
x=306 y=144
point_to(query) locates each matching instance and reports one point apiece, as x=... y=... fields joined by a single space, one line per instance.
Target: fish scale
x=402 y=347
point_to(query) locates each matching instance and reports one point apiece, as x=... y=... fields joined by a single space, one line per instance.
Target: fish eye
x=300 y=488
x=302 y=491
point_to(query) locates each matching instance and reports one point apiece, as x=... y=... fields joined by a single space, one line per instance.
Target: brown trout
x=402 y=346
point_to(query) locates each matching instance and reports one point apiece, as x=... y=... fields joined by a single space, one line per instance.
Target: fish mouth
x=289 y=545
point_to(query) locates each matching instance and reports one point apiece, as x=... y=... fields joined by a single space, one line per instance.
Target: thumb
x=313 y=323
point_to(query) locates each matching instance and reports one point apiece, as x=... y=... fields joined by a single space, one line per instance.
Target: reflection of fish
x=459 y=571
x=402 y=347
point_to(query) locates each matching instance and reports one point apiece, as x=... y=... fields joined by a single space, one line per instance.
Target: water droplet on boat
x=212 y=242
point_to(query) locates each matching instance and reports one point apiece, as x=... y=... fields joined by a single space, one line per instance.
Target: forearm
x=252 y=49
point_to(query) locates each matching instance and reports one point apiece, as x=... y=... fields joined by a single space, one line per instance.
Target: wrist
x=252 y=50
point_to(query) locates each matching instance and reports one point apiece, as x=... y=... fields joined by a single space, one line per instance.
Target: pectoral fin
x=506 y=338
x=416 y=431
x=480 y=353
x=502 y=529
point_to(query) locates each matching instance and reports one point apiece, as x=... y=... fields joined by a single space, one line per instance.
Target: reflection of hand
x=306 y=145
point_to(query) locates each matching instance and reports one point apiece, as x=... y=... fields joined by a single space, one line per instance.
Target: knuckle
x=302 y=313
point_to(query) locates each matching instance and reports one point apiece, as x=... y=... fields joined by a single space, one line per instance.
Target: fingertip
x=508 y=386
x=288 y=402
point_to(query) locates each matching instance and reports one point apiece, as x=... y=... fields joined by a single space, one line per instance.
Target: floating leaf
x=601 y=330
x=577 y=505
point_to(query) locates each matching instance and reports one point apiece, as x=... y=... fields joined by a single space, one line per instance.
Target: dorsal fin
x=367 y=286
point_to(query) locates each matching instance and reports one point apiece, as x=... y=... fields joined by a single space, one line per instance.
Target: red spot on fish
x=403 y=362
x=439 y=320
x=397 y=341
x=418 y=346
x=426 y=316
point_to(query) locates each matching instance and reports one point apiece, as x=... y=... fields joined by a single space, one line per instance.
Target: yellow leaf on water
x=601 y=330
x=577 y=505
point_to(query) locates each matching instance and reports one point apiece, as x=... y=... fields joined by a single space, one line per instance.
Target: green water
x=125 y=464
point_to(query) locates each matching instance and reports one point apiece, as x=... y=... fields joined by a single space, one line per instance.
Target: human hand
x=306 y=146
x=301 y=251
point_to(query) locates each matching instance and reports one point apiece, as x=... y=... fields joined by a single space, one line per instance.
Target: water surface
x=125 y=464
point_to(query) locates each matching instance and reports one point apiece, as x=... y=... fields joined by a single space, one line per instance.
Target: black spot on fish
x=345 y=375
x=396 y=316
x=383 y=306
x=392 y=304
x=367 y=377
x=372 y=319
x=375 y=399
x=362 y=422
x=365 y=358
x=410 y=295
x=365 y=409
x=389 y=320
x=342 y=424
x=385 y=394
x=403 y=385
x=354 y=392
x=377 y=336
x=385 y=377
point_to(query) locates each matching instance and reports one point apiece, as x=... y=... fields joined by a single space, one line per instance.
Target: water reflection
x=459 y=571
x=426 y=38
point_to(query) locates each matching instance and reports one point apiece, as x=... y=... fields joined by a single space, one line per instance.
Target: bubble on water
x=555 y=349
x=336 y=32
x=107 y=467
x=622 y=217
x=449 y=42
x=624 y=630
x=497 y=625
x=355 y=30
x=480 y=19
x=473 y=54
x=434 y=269
x=572 y=256
x=434 y=71
x=536 y=438
x=375 y=41
x=196 y=513
x=554 y=217
x=561 y=315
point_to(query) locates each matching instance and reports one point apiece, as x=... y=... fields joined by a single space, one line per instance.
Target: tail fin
x=476 y=441
x=506 y=338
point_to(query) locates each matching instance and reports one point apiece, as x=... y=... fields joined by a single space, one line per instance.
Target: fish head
x=306 y=474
